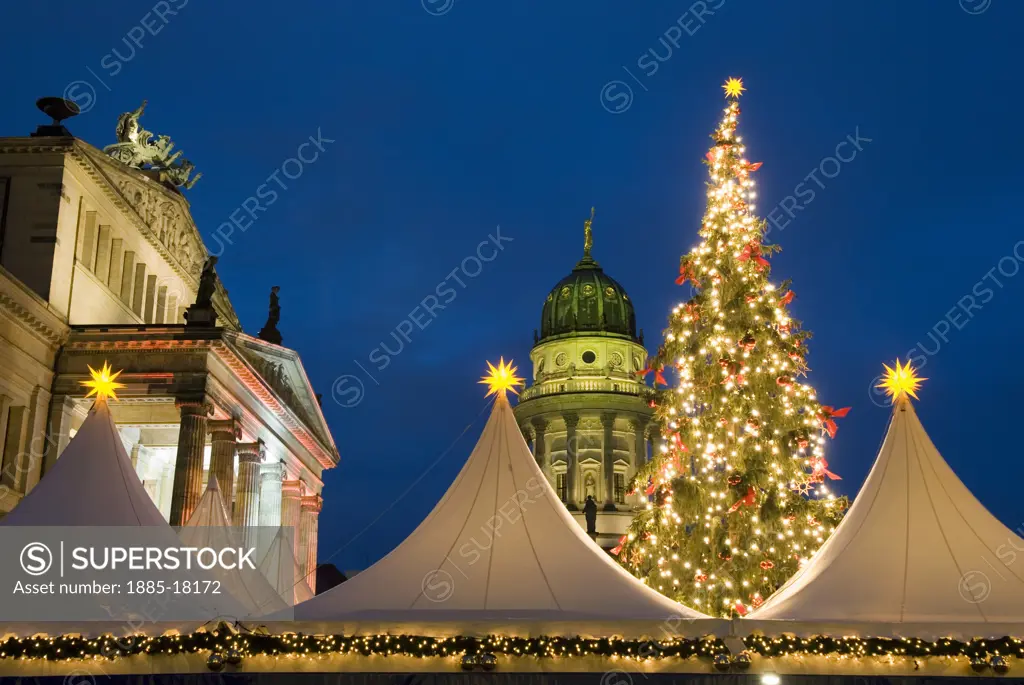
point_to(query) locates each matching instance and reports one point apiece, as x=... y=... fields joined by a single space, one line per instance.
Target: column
x=188 y=466
x=308 y=532
x=247 y=497
x=102 y=269
x=139 y=289
x=540 y=447
x=655 y=437
x=271 y=476
x=223 y=441
x=116 y=264
x=571 y=448
x=291 y=496
x=14 y=441
x=5 y=408
x=640 y=443
x=89 y=241
x=127 y=275
x=150 y=298
x=58 y=433
x=161 y=305
x=608 y=457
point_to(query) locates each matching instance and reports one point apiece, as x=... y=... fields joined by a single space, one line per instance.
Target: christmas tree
x=738 y=492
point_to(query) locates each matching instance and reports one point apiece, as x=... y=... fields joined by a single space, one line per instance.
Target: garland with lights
x=227 y=646
x=238 y=645
x=738 y=494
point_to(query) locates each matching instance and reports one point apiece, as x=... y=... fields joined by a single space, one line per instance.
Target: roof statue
x=499 y=553
x=917 y=555
x=269 y=331
x=136 y=147
x=202 y=312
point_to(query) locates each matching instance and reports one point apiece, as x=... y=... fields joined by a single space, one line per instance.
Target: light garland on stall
x=225 y=646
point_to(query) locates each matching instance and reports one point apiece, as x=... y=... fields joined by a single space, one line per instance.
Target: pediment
x=162 y=210
x=282 y=370
x=162 y=216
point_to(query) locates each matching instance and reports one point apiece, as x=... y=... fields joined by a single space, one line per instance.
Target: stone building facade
x=99 y=261
x=585 y=414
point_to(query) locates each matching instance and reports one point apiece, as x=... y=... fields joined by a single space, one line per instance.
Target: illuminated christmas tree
x=738 y=494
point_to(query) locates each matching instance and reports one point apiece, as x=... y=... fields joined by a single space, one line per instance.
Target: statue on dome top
x=588 y=234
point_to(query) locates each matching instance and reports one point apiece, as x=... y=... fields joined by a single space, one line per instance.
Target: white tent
x=210 y=526
x=93 y=484
x=500 y=553
x=916 y=555
x=282 y=571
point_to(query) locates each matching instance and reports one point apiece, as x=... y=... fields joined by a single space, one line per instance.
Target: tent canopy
x=91 y=484
x=210 y=526
x=916 y=550
x=500 y=549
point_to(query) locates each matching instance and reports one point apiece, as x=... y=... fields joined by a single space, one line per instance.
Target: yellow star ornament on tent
x=103 y=383
x=501 y=378
x=903 y=380
x=733 y=87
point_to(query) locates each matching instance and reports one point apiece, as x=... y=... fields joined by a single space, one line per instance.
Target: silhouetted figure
x=269 y=331
x=202 y=312
x=590 y=513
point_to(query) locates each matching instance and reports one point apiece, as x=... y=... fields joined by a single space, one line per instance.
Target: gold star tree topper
x=733 y=87
x=103 y=383
x=501 y=378
x=903 y=380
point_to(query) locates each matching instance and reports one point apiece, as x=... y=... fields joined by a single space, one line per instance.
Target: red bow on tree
x=658 y=377
x=787 y=298
x=820 y=471
x=710 y=155
x=686 y=274
x=826 y=416
x=747 y=501
x=753 y=250
x=754 y=166
x=618 y=548
x=740 y=608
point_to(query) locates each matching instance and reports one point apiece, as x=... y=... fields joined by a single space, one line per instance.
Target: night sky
x=440 y=122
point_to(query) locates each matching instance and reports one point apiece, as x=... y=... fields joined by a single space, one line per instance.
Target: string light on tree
x=738 y=495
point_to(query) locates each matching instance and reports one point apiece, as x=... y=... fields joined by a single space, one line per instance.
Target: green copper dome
x=587 y=302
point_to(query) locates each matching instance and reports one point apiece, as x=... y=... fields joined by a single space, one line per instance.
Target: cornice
x=249 y=377
x=25 y=306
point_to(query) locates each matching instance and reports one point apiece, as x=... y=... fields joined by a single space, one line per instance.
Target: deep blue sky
x=491 y=114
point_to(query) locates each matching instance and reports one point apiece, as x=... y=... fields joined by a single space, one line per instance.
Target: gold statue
x=588 y=234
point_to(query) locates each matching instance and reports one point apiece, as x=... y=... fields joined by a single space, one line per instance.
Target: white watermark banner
x=123 y=573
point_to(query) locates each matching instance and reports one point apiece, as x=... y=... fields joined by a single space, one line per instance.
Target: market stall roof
x=93 y=484
x=210 y=526
x=917 y=555
x=500 y=549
